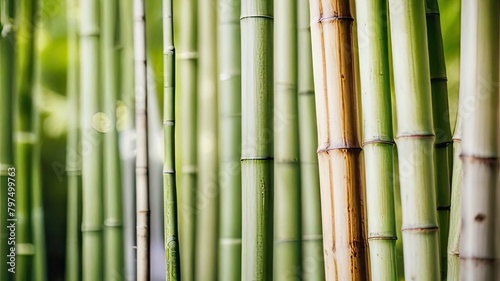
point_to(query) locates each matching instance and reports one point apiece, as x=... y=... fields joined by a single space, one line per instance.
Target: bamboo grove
x=296 y=140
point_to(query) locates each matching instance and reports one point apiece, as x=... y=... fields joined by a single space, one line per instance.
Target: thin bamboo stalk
x=92 y=184
x=141 y=110
x=479 y=109
x=229 y=59
x=312 y=236
x=187 y=63
x=442 y=129
x=208 y=189
x=455 y=223
x=172 y=257
x=257 y=138
x=287 y=232
x=415 y=140
x=7 y=80
x=113 y=208
x=25 y=137
x=73 y=153
x=378 y=137
x=339 y=151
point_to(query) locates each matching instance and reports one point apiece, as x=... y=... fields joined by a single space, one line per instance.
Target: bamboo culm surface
x=257 y=139
x=172 y=256
x=229 y=91
x=339 y=151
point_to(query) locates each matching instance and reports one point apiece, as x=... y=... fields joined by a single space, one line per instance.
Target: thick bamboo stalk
x=172 y=257
x=73 y=152
x=479 y=111
x=378 y=137
x=257 y=138
x=339 y=151
x=141 y=110
x=442 y=129
x=287 y=232
x=187 y=63
x=25 y=137
x=7 y=81
x=113 y=208
x=312 y=236
x=92 y=184
x=415 y=140
x=229 y=59
x=208 y=188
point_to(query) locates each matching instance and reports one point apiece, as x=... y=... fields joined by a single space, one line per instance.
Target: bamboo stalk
x=415 y=140
x=479 y=110
x=257 y=138
x=208 y=189
x=7 y=79
x=312 y=240
x=339 y=151
x=25 y=138
x=73 y=152
x=113 y=210
x=229 y=59
x=141 y=109
x=455 y=224
x=187 y=63
x=378 y=137
x=442 y=129
x=169 y=185
x=92 y=184
x=287 y=232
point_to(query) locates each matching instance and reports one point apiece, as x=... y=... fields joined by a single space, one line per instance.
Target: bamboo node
x=439 y=79
x=257 y=17
x=491 y=161
x=113 y=223
x=423 y=228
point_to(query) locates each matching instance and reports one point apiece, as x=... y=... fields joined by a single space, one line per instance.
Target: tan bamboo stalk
x=142 y=187
x=339 y=151
x=479 y=93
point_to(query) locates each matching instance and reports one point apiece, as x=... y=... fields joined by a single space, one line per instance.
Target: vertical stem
x=257 y=138
x=287 y=211
x=339 y=151
x=187 y=63
x=479 y=90
x=415 y=139
x=73 y=152
x=169 y=185
x=113 y=211
x=92 y=185
x=378 y=137
x=312 y=237
x=208 y=188
x=229 y=58
x=142 y=188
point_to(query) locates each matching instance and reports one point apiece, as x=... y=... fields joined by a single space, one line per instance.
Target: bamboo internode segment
x=479 y=96
x=339 y=152
x=229 y=91
x=415 y=140
x=257 y=139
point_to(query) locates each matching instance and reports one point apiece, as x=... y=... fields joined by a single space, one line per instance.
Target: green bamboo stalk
x=478 y=107
x=339 y=151
x=312 y=236
x=141 y=168
x=442 y=128
x=287 y=232
x=455 y=223
x=113 y=208
x=257 y=139
x=229 y=59
x=378 y=137
x=187 y=63
x=7 y=80
x=415 y=140
x=25 y=137
x=169 y=185
x=92 y=184
x=73 y=154
x=208 y=189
